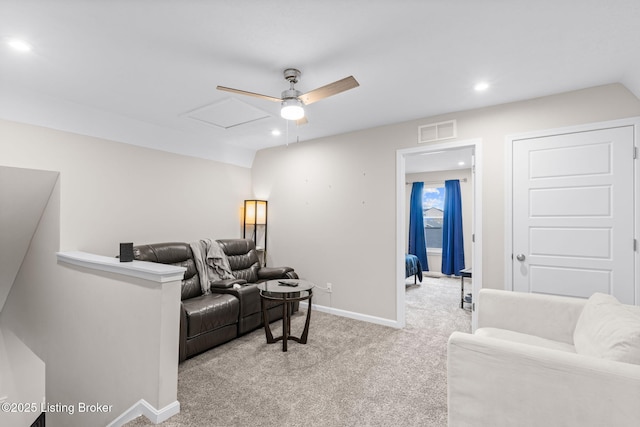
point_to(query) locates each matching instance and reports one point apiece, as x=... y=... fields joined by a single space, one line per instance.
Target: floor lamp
x=255 y=216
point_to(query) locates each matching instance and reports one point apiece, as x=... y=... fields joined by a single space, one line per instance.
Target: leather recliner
x=205 y=320
x=215 y=318
x=245 y=266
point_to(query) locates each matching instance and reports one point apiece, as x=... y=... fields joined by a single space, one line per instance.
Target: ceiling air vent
x=437 y=131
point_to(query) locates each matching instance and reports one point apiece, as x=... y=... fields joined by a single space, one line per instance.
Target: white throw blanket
x=211 y=262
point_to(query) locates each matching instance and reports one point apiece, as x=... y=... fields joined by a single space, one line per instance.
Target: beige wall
x=113 y=192
x=24 y=194
x=94 y=331
x=332 y=200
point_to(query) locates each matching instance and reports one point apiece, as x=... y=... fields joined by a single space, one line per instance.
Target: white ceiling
x=134 y=70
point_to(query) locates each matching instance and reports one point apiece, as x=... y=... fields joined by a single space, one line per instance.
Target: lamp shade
x=292 y=109
x=255 y=212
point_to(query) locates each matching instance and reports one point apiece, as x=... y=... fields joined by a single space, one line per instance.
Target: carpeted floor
x=350 y=373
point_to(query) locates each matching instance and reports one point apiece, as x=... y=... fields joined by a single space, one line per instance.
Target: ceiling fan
x=292 y=100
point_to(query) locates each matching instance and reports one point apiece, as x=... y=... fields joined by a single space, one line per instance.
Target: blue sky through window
x=433 y=198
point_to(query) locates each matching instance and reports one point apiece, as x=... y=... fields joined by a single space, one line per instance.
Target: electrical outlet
x=329 y=287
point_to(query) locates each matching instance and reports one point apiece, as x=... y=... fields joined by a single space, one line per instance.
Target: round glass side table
x=286 y=292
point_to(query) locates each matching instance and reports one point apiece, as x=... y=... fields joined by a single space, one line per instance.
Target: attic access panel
x=227 y=114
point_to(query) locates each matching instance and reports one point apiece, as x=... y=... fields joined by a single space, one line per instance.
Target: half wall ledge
x=156 y=340
x=151 y=271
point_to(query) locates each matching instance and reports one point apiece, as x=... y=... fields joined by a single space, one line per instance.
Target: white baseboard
x=142 y=407
x=352 y=315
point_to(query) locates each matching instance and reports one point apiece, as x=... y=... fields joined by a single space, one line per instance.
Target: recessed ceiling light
x=19 y=45
x=275 y=132
x=460 y=163
x=479 y=87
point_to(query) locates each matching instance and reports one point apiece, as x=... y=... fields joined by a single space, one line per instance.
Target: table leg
x=265 y=319
x=461 y=291
x=305 y=332
x=285 y=324
x=287 y=310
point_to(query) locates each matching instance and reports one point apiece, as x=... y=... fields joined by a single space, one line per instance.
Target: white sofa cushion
x=521 y=338
x=608 y=330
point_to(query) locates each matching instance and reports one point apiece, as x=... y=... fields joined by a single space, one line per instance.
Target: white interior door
x=573 y=214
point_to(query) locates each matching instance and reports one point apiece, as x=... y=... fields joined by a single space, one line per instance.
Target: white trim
x=151 y=271
x=400 y=230
x=631 y=121
x=636 y=205
x=352 y=315
x=476 y=144
x=508 y=212
x=508 y=179
x=142 y=407
x=477 y=230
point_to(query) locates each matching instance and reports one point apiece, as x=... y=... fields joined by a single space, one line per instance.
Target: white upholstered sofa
x=541 y=360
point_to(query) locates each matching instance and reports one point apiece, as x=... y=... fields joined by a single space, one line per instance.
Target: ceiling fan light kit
x=292 y=100
x=292 y=109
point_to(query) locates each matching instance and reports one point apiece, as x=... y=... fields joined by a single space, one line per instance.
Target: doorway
x=476 y=232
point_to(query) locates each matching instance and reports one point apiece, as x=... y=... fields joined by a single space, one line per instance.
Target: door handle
x=520 y=257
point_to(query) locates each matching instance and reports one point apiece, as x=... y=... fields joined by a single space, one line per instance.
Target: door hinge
x=635 y=245
x=473 y=306
x=635 y=153
x=473 y=238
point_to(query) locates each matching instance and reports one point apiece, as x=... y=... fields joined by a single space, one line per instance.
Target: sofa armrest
x=182 y=347
x=547 y=316
x=248 y=294
x=494 y=382
x=225 y=284
x=271 y=273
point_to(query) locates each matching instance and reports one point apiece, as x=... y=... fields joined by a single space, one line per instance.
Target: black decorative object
x=126 y=252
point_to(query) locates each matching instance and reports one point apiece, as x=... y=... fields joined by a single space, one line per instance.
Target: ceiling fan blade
x=329 y=90
x=302 y=121
x=244 y=92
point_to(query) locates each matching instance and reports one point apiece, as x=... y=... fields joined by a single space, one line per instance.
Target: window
x=433 y=212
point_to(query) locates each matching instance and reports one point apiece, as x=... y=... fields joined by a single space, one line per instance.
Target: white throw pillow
x=608 y=330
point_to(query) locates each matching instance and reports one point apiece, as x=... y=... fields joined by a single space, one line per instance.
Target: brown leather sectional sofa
x=228 y=311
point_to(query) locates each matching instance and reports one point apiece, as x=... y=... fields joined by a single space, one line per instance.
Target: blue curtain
x=452 y=243
x=417 y=243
